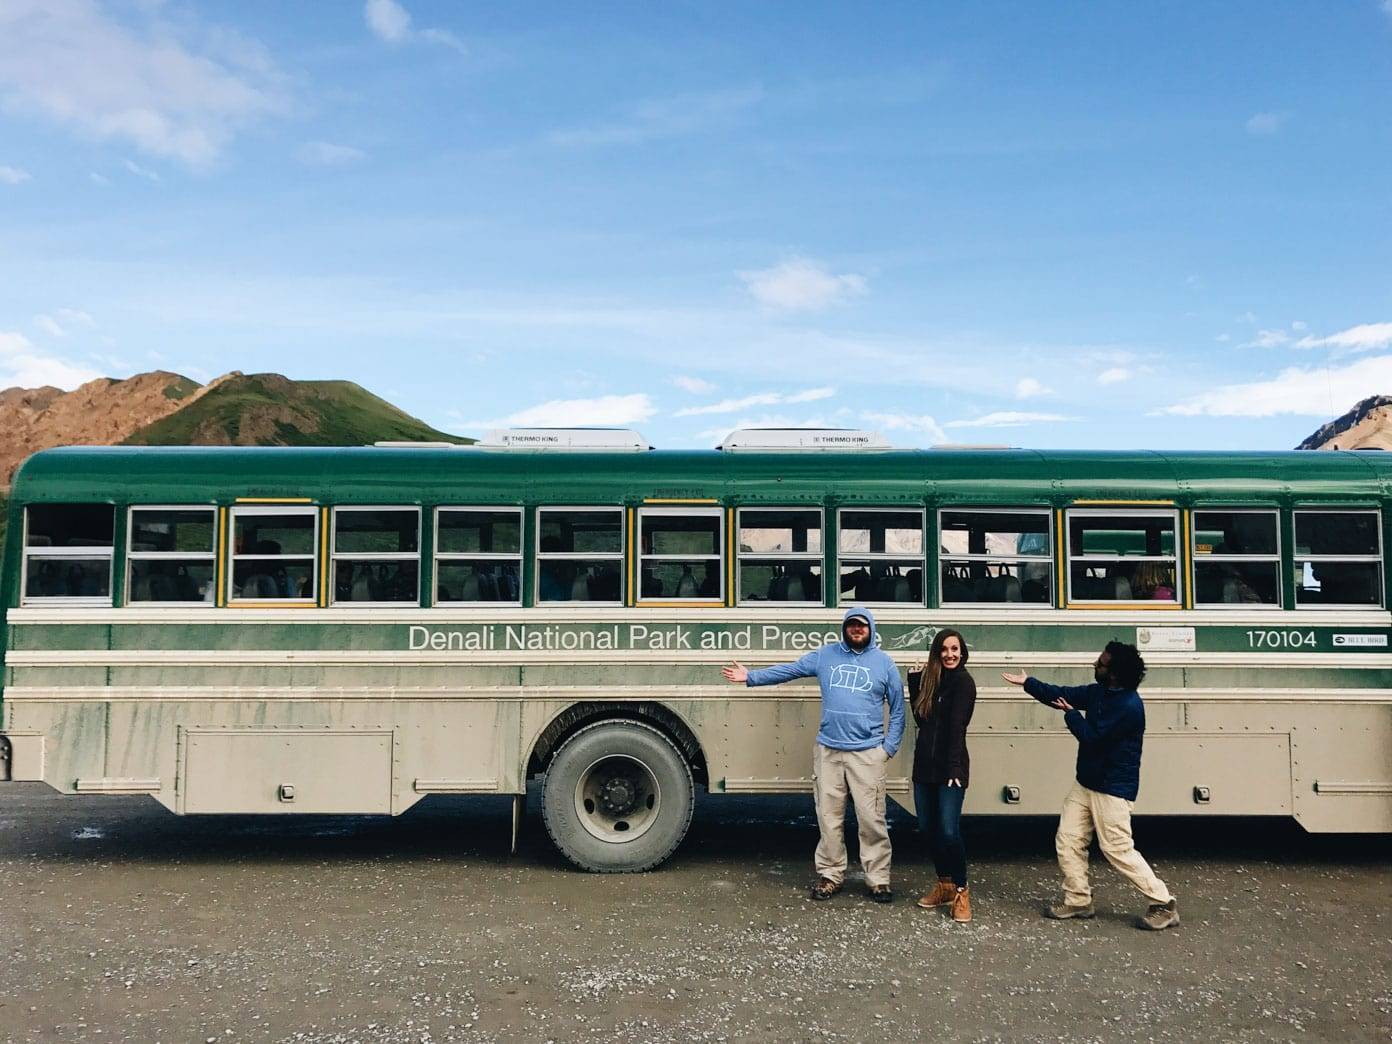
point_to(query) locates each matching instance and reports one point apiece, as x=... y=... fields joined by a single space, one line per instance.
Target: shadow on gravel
x=478 y=829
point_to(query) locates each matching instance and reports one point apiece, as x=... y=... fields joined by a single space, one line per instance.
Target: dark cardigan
x=940 y=752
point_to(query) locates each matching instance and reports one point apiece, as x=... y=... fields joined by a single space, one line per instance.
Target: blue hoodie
x=855 y=688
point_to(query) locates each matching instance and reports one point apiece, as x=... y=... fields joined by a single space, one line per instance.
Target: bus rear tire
x=617 y=798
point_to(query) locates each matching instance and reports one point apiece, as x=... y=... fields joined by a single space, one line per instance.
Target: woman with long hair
x=943 y=696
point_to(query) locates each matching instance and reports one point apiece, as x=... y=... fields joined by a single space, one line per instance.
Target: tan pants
x=861 y=773
x=1083 y=811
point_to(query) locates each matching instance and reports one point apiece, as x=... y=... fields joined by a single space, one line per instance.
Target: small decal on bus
x=1361 y=639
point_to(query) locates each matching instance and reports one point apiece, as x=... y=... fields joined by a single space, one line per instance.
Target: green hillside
x=266 y=409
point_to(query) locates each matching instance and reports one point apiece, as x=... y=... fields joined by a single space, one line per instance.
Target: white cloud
x=801 y=285
x=1264 y=124
x=141 y=172
x=921 y=423
x=694 y=385
x=98 y=179
x=171 y=89
x=1008 y=419
x=327 y=154
x=568 y=413
x=1114 y=375
x=1267 y=339
x=659 y=118
x=1029 y=388
x=13 y=175
x=1316 y=392
x=391 y=23
x=764 y=399
x=62 y=321
x=1363 y=338
x=1297 y=325
x=22 y=365
x=1223 y=338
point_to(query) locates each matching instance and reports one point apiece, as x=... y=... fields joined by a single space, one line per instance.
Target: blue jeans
x=940 y=821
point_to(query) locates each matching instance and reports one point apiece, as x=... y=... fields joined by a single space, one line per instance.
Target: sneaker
x=1064 y=912
x=881 y=894
x=1159 y=917
x=961 y=905
x=941 y=895
x=825 y=888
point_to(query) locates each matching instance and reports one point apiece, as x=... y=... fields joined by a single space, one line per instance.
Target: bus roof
x=198 y=474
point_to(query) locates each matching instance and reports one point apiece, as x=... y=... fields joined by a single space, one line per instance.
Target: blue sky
x=1035 y=224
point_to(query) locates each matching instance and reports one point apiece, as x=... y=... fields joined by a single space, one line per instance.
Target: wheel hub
x=619 y=796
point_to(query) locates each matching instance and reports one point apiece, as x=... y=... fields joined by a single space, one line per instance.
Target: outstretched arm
x=1105 y=727
x=895 y=695
x=805 y=667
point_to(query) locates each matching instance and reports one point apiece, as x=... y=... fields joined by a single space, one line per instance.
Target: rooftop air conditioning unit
x=802 y=440
x=610 y=440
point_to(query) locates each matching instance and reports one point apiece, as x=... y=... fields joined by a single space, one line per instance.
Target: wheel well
x=574 y=718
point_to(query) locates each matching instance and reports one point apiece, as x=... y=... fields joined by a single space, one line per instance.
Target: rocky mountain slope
x=1367 y=426
x=167 y=409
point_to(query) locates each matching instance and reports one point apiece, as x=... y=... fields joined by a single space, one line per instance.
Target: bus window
x=880 y=554
x=1122 y=556
x=679 y=554
x=273 y=554
x=1237 y=558
x=376 y=555
x=170 y=554
x=1338 y=558
x=67 y=552
x=478 y=555
x=780 y=555
x=580 y=555
x=990 y=555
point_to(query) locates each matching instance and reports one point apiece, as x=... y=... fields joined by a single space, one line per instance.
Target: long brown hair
x=931 y=670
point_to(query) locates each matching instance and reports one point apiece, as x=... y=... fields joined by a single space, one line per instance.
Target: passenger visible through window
x=1122 y=556
x=68 y=551
x=274 y=555
x=376 y=555
x=171 y=554
x=478 y=555
x=679 y=554
x=1237 y=558
x=780 y=555
x=580 y=555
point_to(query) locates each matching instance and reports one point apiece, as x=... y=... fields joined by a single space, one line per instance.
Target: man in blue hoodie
x=857 y=680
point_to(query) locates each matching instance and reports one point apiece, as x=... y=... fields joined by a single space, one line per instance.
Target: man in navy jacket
x=1108 y=719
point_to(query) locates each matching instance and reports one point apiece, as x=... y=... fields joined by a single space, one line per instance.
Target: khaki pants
x=861 y=773
x=1083 y=811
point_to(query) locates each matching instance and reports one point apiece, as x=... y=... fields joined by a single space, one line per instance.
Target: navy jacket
x=1109 y=724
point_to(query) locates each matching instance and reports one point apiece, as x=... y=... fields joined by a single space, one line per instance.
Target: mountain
x=167 y=409
x=1367 y=426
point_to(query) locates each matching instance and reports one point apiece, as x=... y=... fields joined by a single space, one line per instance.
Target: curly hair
x=1126 y=666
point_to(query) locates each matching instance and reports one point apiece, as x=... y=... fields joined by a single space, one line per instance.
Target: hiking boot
x=961 y=905
x=1159 y=917
x=942 y=894
x=881 y=894
x=825 y=888
x=1064 y=912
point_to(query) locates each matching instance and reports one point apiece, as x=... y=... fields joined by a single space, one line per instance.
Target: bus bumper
x=21 y=757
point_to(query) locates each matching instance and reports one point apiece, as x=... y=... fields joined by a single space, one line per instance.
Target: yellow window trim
x=1185 y=566
x=681 y=500
x=287 y=604
x=729 y=556
x=1148 y=607
x=324 y=558
x=632 y=593
x=274 y=500
x=1122 y=503
x=220 y=595
x=657 y=604
x=1059 y=564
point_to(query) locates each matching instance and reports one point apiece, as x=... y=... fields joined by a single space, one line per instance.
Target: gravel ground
x=122 y=922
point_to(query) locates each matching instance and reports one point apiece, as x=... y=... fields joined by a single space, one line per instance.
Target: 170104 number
x=1280 y=639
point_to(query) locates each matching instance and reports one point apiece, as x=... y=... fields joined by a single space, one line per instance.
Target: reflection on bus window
x=1122 y=556
x=780 y=555
x=68 y=551
x=478 y=555
x=580 y=555
x=881 y=555
x=1237 y=558
x=680 y=554
x=376 y=555
x=274 y=554
x=995 y=556
x=170 y=551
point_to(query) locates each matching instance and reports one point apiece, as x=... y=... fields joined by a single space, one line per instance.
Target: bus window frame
x=372 y=556
x=873 y=556
x=1123 y=510
x=133 y=555
x=438 y=556
x=679 y=511
x=1049 y=558
x=92 y=553
x=620 y=557
x=1194 y=558
x=1297 y=557
x=312 y=601
x=819 y=557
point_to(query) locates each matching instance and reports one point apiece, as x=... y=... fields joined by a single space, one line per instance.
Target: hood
x=858 y=610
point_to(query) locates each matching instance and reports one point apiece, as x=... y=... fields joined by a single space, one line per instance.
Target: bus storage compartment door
x=284 y=770
x=22 y=757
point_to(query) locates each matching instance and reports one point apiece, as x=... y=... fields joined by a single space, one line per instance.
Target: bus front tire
x=617 y=798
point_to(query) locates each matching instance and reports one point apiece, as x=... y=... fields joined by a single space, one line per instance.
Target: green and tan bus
x=236 y=630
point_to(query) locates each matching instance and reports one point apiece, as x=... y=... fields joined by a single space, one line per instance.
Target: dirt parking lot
x=122 y=922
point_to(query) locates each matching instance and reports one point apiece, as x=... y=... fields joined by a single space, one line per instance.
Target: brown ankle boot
x=941 y=894
x=961 y=905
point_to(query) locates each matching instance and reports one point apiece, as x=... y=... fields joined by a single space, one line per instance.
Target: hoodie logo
x=850 y=676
